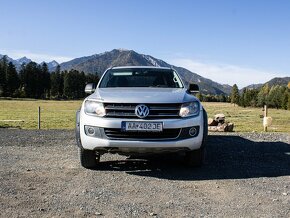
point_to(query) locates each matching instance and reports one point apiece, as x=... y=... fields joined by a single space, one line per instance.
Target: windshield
x=141 y=78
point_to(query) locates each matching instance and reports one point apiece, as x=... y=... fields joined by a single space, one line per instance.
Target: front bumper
x=138 y=145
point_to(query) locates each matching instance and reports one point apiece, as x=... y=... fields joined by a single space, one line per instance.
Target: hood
x=142 y=95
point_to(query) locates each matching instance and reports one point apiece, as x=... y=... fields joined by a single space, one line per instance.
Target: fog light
x=91 y=131
x=192 y=131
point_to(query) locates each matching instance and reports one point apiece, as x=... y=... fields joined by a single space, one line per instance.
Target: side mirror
x=193 y=88
x=90 y=88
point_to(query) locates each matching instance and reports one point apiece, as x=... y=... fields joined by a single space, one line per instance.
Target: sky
x=228 y=41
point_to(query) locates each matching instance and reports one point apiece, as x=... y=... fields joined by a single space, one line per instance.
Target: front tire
x=89 y=159
x=196 y=158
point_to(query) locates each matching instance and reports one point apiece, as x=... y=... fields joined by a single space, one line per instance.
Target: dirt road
x=246 y=175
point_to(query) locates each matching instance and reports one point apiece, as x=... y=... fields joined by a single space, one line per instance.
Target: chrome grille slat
x=164 y=109
x=126 y=110
x=119 y=108
x=168 y=115
x=120 y=115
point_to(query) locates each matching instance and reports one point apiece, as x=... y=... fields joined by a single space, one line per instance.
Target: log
x=221 y=128
x=212 y=128
x=225 y=127
x=230 y=127
x=211 y=122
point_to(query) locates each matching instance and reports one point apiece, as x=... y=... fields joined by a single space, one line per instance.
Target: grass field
x=54 y=114
x=248 y=119
x=61 y=115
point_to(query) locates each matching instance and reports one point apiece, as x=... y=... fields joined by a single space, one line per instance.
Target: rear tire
x=196 y=158
x=89 y=159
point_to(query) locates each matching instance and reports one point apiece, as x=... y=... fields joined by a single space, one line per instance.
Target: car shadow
x=228 y=157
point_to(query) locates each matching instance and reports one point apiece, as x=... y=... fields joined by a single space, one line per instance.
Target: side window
x=177 y=80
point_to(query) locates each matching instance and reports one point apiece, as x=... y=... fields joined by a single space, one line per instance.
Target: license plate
x=142 y=126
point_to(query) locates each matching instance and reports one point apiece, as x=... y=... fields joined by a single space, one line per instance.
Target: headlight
x=95 y=108
x=189 y=109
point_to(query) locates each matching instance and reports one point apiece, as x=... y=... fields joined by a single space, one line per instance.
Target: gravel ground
x=246 y=175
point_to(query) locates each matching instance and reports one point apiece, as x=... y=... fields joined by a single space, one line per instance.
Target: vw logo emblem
x=141 y=111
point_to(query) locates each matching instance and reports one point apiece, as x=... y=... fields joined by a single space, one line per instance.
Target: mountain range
x=98 y=63
x=24 y=60
x=275 y=81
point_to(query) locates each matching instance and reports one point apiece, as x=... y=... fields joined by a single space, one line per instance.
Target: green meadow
x=61 y=115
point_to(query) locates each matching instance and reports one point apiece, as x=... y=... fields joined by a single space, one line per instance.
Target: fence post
x=38 y=117
x=265 y=115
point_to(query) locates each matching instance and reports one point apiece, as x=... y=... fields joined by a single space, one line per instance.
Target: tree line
x=276 y=96
x=35 y=81
x=213 y=98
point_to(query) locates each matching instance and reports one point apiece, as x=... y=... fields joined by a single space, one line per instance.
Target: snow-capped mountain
x=23 y=60
x=18 y=62
x=8 y=58
x=51 y=65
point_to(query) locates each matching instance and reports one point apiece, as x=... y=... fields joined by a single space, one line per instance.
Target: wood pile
x=219 y=124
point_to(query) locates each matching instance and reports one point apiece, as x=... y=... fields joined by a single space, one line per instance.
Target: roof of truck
x=141 y=67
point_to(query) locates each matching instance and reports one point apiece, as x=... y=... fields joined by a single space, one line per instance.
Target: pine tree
x=21 y=90
x=254 y=97
x=61 y=86
x=288 y=102
x=54 y=79
x=3 y=79
x=262 y=95
x=12 y=79
x=235 y=96
x=242 y=98
x=30 y=80
x=45 y=81
x=81 y=85
x=221 y=98
x=274 y=98
x=250 y=97
x=92 y=78
x=71 y=83
x=285 y=99
x=67 y=83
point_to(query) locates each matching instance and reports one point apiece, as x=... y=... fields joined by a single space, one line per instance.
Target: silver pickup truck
x=141 y=110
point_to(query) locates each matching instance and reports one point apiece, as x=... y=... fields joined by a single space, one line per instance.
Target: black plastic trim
x=183 y=133
x=77 y=130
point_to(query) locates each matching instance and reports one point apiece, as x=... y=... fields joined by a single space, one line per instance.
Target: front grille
x=164 y=135
x=157 y=111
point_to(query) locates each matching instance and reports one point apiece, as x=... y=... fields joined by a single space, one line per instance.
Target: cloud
x=225 y=73
x=15 y=54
